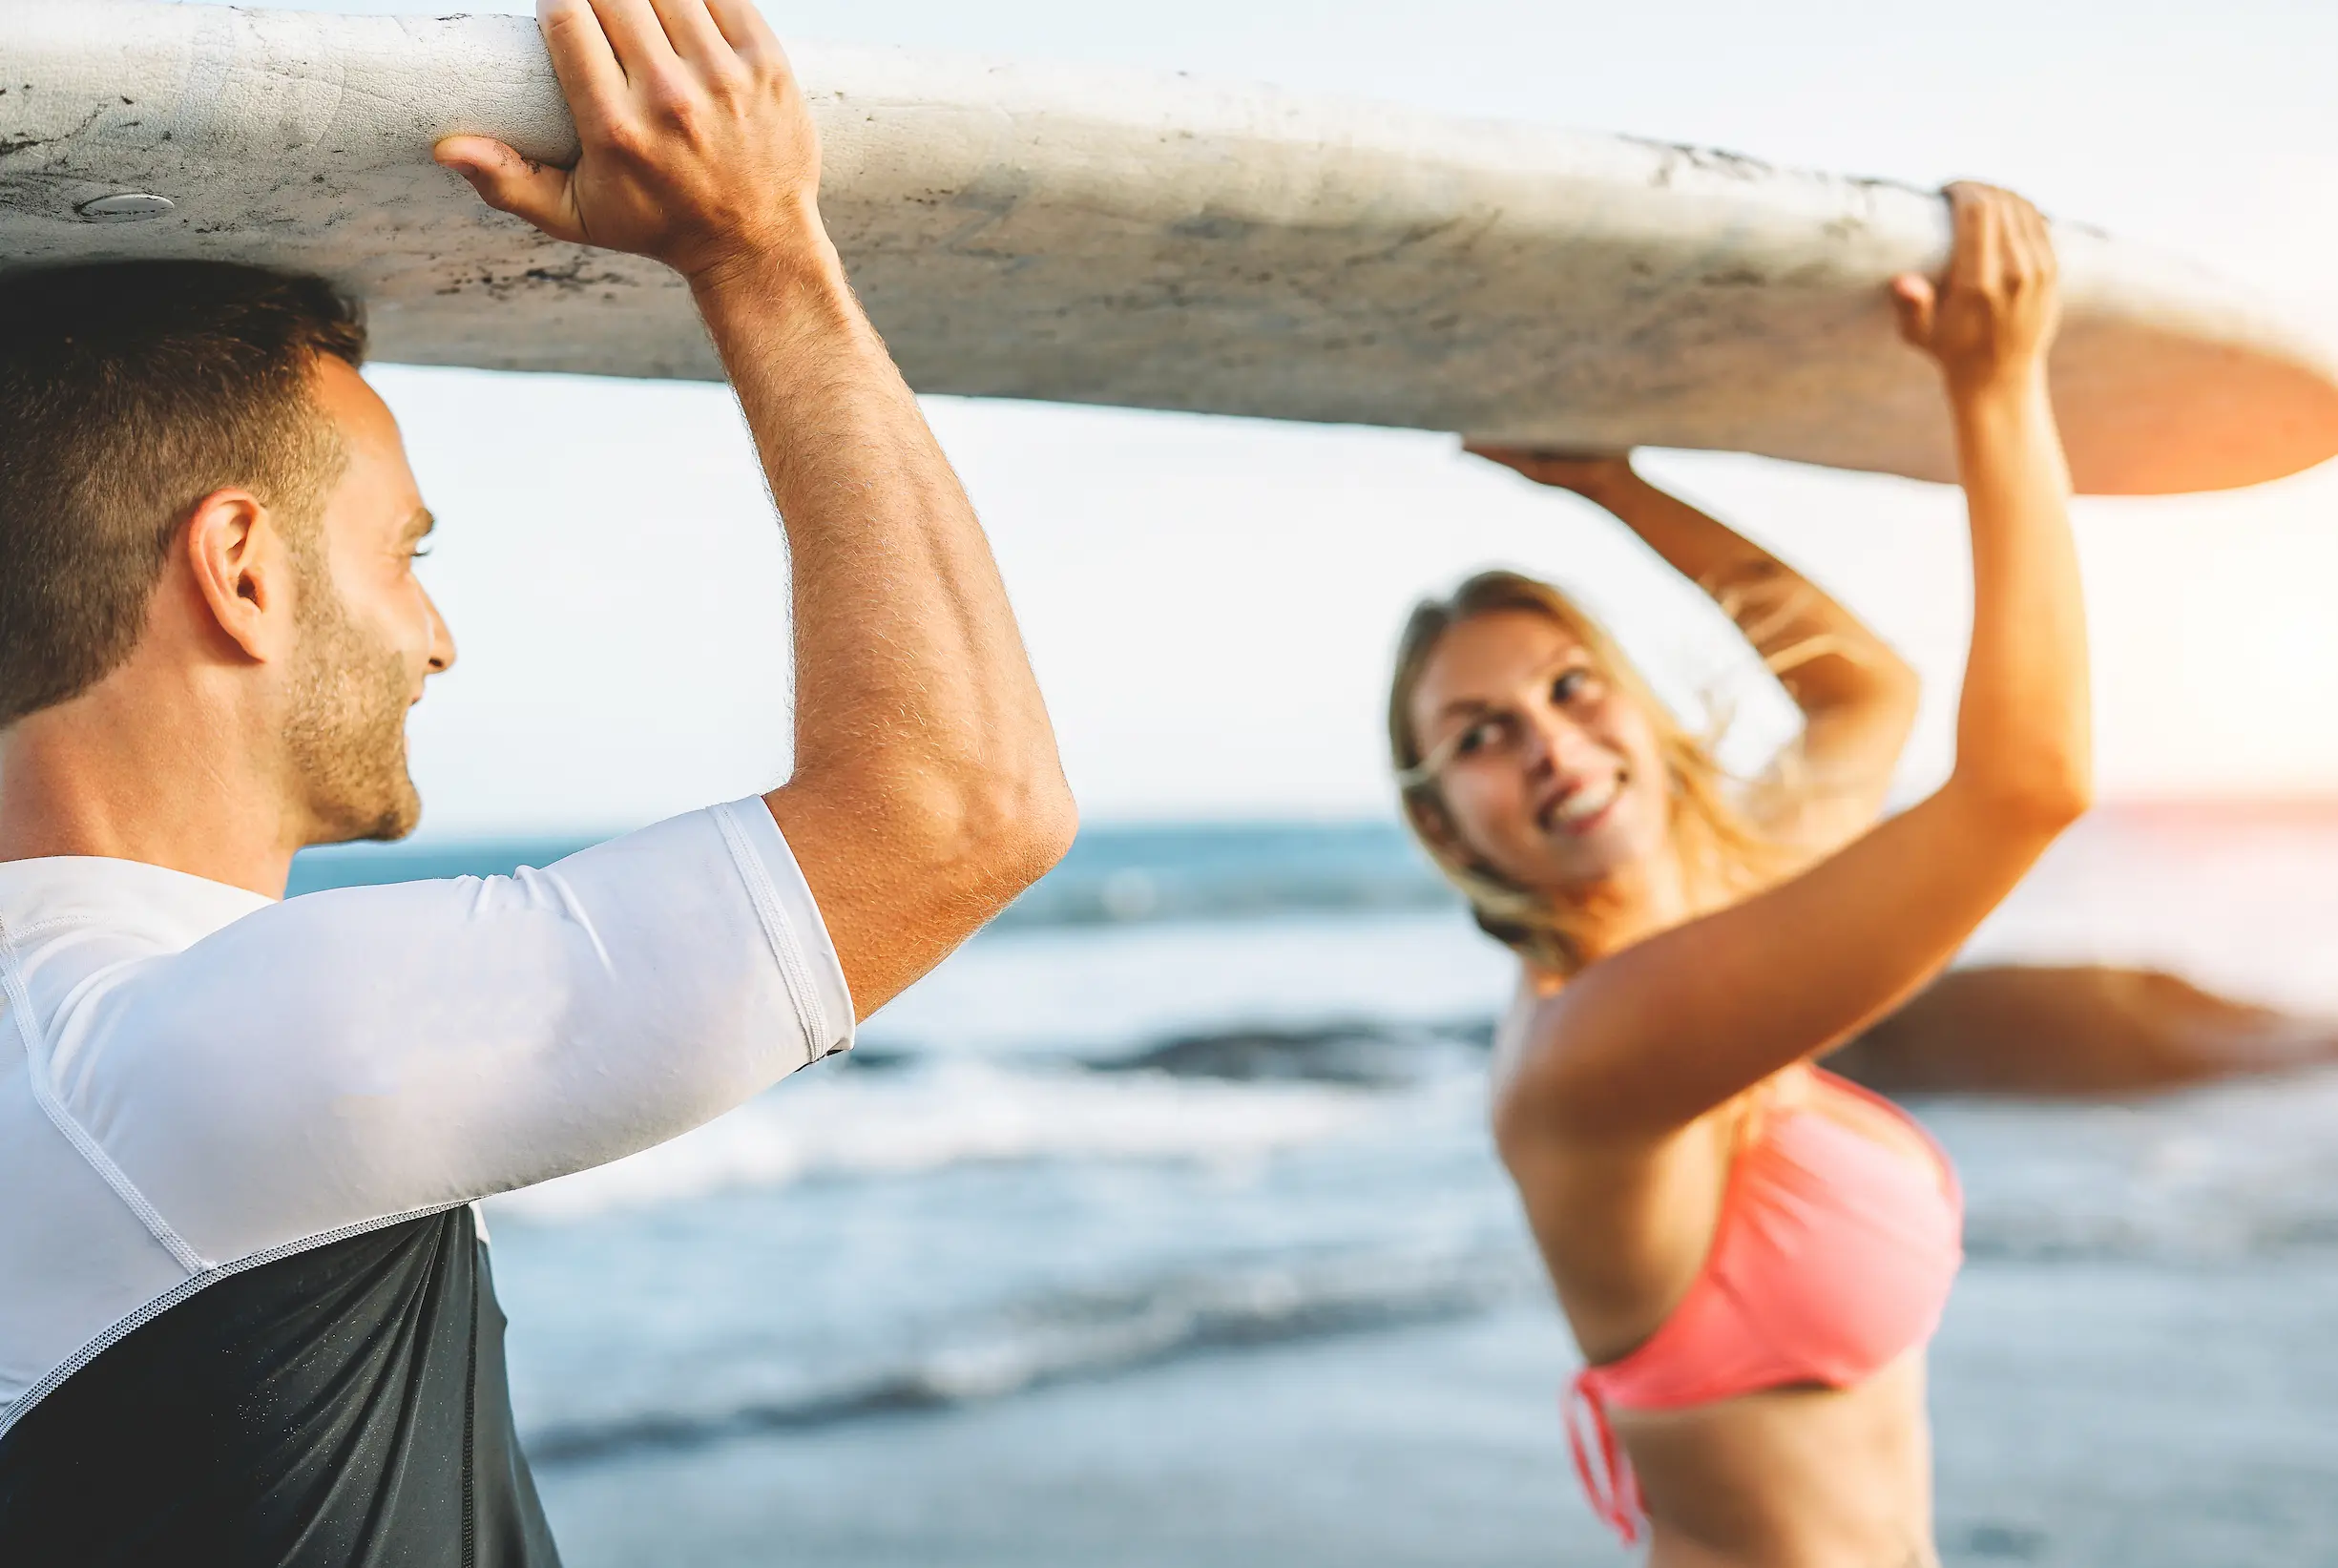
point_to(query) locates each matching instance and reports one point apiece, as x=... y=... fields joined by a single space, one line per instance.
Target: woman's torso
x=1805 y=1477
x=1800 y=1473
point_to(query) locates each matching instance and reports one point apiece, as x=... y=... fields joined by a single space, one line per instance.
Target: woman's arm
x=1858 y=698
x=1646 y=1041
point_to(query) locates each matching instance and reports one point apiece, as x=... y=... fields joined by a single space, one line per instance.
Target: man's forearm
x=926 y=791
x=918 y=720
x=899 y=610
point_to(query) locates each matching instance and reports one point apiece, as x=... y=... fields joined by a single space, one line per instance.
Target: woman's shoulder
x=1514 y=1031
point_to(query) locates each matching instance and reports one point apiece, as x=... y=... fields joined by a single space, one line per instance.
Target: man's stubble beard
x=346 y=731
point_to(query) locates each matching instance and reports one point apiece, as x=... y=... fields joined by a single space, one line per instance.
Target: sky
x=1211 y=603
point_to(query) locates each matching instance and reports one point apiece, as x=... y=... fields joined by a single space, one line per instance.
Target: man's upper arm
x=358 y=1054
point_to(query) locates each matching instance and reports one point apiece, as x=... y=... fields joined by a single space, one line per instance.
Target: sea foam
x=925 y=1117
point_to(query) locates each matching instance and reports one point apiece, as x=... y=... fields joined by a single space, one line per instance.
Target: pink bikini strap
x=1611 y=1486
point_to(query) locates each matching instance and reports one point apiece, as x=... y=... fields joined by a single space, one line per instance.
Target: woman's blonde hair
x=1723 y=853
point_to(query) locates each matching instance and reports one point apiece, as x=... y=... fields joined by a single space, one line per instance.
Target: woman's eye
x=1570 y=685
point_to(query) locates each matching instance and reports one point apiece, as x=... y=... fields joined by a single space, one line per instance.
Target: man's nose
x=442 y=638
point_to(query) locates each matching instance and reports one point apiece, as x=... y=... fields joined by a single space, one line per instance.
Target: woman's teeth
x=1587 y=802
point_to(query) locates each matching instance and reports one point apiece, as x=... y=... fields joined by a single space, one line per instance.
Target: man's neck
x=112 y=775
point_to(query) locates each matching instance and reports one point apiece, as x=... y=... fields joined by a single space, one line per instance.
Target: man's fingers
x=693 y=35
x=509 y=182
x=637 y=38
x=1912 y=298
x=590 y=78
x=750 y=36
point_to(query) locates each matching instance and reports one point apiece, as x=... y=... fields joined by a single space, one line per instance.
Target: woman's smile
x=1580 y=809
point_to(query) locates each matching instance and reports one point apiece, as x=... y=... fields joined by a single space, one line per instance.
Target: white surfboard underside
x=1103 y=237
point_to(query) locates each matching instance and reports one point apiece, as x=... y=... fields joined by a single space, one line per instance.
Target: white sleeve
x=348 y=1056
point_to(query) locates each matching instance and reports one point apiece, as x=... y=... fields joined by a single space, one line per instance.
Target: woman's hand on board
x=1643 y=1042
x=1592 y=475
x=1992 y=316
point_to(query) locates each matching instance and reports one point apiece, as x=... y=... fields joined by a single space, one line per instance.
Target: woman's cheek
x=1480 y=814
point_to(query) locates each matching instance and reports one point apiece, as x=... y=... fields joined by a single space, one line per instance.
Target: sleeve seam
x=93 y=1154
x=198 y=1279
x=811 y=1013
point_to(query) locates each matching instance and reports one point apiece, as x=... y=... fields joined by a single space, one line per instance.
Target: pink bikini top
x=1832 y=1255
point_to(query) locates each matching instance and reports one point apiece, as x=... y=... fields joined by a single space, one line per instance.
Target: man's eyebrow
x=421 y=524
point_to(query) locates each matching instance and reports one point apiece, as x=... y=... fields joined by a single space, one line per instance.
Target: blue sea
x=1160 y=1225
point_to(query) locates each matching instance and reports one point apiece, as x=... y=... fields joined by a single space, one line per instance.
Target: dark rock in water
x=2075 y=1031
x=1357 y=1054
x=2066 y=1031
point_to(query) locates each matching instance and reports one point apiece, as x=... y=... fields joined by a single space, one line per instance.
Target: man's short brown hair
x=128 y=392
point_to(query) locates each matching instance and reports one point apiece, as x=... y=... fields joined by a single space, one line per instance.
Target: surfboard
x=1103 y=237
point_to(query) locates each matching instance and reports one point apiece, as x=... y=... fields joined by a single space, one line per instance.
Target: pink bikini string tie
x=1611 y=1486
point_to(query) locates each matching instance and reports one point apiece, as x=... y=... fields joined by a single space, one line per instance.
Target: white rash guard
x=196 y=1080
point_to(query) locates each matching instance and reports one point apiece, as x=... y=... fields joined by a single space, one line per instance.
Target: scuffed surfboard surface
x=1101 y=237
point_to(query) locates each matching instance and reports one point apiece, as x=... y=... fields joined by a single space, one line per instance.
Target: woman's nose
x=1552 y=740
x=1556 y=742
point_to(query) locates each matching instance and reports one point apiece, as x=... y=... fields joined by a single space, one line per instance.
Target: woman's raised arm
x=1645 y=1041
x=1857 y=696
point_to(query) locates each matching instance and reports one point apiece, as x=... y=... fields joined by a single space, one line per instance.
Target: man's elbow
x=1024 y=826
x=961 y=840
x=995 y=831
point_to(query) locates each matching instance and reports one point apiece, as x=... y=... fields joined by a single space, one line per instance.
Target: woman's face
x=1550 y=774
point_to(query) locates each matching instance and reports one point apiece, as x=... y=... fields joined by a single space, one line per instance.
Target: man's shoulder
x=152 y=907
x=75 y=929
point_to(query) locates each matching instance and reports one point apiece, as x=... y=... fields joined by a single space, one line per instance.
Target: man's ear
x=243 y=571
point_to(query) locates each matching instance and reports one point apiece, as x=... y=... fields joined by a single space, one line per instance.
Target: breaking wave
x=925 y=1116
x=1088 y=1335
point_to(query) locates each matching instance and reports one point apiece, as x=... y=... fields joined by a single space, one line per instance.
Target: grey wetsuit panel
x=346 y=1405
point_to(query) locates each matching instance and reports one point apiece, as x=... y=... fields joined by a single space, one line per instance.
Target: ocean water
x=1160 y=1225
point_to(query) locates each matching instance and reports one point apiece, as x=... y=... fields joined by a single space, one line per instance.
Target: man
x=245 y=1315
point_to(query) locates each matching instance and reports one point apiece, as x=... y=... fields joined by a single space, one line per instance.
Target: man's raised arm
x=926 y=791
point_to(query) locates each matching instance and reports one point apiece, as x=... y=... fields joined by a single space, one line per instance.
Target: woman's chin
x=1584 y=863
x=1593 y=856
x=1588 y=872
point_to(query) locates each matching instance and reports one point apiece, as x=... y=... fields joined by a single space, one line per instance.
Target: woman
x=1751 y=1253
